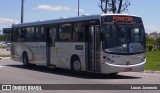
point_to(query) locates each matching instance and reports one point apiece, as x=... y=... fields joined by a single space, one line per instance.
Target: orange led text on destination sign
x=120 y=18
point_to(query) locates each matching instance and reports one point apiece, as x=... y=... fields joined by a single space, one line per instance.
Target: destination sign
x=122 y=18
x=117 y=18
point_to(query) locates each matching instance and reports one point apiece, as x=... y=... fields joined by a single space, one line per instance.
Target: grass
x=153 y=60
x=5 y=55
x=3 y=47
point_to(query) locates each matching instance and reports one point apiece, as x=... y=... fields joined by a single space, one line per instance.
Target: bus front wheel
x=76 y=64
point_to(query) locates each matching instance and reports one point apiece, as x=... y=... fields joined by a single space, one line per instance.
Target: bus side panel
x=63 y=52
x=16 y=52
x=36 y=52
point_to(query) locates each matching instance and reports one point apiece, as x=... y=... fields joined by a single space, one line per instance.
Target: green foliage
x=2 y=37
x=149 y=47
x=155 y=49
x=150 y=43
x=158 y=42
x=150 y=40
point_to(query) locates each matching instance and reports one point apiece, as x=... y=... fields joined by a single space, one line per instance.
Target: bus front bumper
x=112 y=68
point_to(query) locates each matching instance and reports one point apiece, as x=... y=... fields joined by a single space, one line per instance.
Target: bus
x=105 y=43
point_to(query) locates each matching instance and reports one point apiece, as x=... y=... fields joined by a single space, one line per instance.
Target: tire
x=76 y=64
x=25 y=60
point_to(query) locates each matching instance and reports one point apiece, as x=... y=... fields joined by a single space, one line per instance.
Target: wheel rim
x=77 y=65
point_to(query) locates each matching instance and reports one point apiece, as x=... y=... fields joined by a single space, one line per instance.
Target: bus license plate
x=127 y=69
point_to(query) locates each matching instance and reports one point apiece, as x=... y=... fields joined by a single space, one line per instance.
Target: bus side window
x=30 y=34
x=15 y=35
x=39 y=34
x=51 y=35
x=22 y=34
x=65 y=32
x=78 y=32
x=18 y=34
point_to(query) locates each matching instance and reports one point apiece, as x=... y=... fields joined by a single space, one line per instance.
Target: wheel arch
x=73 y=57
x=24 y=52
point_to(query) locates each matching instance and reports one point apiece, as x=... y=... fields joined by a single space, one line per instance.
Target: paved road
x=14 y=73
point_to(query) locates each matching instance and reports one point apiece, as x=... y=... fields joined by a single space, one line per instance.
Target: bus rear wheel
x=25 y=60
x=76 y=64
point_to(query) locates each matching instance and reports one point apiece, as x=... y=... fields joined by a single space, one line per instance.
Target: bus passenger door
x=51 y=32
x=94 y=48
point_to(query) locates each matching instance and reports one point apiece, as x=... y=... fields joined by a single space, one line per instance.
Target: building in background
x=154 y=35
x=1 y=32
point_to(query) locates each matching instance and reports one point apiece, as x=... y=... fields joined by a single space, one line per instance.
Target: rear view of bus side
x=107 y=43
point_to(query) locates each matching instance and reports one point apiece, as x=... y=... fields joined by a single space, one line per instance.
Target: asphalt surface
x=14 y=73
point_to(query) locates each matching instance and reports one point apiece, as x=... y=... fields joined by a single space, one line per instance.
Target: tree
x=114 y=6
x=150 y=40
x=2 y=37
x=103 y=5
x=150 y=43
x=158 y=42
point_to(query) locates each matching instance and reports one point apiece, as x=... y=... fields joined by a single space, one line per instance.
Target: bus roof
x=63 y=20
x=119 y=15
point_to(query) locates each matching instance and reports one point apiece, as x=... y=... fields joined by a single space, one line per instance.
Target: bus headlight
x=108 y=59
x=112 y=61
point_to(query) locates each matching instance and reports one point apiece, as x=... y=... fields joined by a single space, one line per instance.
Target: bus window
x=135 y=35
x=30 y=34
x=65 y=32
x=19 y=34
x=22 y=34
x=15 y=35
x=51 y=36
x=78 y=33
x=39 y=34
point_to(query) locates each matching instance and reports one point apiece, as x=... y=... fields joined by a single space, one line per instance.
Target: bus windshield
x=122 y=38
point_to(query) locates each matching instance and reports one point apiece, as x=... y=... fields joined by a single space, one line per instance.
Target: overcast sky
x=52 y=9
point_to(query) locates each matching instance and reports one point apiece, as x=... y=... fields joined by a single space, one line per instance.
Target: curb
x=150 y=71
